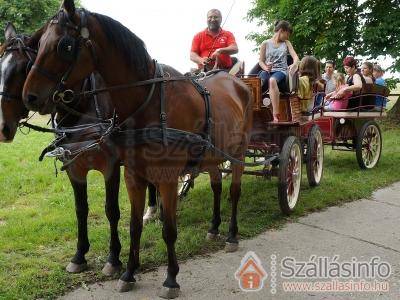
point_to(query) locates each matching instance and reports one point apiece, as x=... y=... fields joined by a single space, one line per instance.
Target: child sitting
x=336 y=103
x=309 y=70
x=378 y=74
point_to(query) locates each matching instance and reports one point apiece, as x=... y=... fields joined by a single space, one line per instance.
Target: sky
x=168 y=26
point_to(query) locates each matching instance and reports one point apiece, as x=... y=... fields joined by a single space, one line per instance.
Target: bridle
x=68 y=50
x=17 y=44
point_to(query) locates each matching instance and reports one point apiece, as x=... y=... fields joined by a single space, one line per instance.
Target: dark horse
x=17 y=55
x=75 y=44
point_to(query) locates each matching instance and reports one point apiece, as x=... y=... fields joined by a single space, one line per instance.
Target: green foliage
x=335 y=29
x=381 y=33
x=392 y=82
x=27 y=15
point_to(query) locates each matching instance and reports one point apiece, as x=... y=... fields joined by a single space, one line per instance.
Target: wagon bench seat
x=355 y=114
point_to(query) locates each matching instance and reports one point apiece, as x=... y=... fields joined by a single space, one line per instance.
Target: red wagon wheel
x=315 y=156
x=290 y=164
x=369 y=145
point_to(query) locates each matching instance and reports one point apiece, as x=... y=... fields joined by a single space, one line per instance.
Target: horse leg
x=235 y=190
x=112 y=182
x=136 y=187
x=169 y=199
x=152 y=205
x=78 y=262
x=216 y=186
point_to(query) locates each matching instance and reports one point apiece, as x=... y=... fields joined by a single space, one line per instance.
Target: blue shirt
x=380 y=101
x=380 y=81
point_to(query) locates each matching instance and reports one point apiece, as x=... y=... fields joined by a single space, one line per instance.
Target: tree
x=381 y=36
x=326 y=29
x=337 y=28
x=381 y=32
x=27 y=15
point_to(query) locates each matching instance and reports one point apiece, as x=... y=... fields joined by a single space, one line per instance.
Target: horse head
x=77 y=43
x=63 y=47
x=16 y=57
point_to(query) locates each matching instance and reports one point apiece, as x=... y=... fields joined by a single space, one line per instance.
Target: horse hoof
x=123 y=286
x=110 y=270
x=231 y=247
x=75 y=268
x=169 y=293
x=212 y=236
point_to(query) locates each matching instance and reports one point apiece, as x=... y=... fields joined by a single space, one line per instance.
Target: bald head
x=214 y=10
x=214 y=19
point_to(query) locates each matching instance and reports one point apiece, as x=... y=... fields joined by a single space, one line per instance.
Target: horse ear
x=10 y=31
x=69 y=6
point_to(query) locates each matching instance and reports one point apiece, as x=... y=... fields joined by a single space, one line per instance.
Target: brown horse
x=17 y=55
x=75 y=44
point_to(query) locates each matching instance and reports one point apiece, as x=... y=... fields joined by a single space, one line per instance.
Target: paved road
x=360 y=230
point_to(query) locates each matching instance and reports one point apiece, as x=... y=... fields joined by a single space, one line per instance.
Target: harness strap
x=45 y=73
x=182 y=139
x=92 y=84
x=137 y=84
x=163 y=107
x=63 y=130
x=206 y=95
x=77 y=113
x=36 y=128
x=146 y=101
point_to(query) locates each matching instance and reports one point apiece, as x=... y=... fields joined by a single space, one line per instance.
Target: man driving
x=212 y=48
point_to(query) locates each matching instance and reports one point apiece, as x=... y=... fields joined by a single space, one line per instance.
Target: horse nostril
x=32 y=98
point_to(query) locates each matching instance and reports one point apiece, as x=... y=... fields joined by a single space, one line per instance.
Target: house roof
x=251 y=263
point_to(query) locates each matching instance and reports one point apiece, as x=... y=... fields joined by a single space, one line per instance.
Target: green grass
x=38 y=227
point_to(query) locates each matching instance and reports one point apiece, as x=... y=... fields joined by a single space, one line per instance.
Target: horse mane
x=132 y=47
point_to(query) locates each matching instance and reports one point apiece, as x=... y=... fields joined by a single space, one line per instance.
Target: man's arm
x=232 y=47
x=194 y=57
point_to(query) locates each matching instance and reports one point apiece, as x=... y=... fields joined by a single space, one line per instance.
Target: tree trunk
x=394 y=113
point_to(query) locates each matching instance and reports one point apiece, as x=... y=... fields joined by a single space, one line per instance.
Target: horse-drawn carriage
x=285 y=145
x=354 y=128
x=279 y=149
x=300 y=137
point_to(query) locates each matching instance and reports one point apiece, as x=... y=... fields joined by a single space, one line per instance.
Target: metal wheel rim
x=371 y=146
x=293 y=178
x=317 y=157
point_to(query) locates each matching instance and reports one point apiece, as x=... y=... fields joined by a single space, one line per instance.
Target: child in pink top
x=333 y=102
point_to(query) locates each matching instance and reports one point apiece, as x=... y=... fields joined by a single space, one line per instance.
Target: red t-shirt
x=204 y=44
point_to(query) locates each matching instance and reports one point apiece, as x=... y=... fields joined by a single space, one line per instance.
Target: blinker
x=66 y=48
